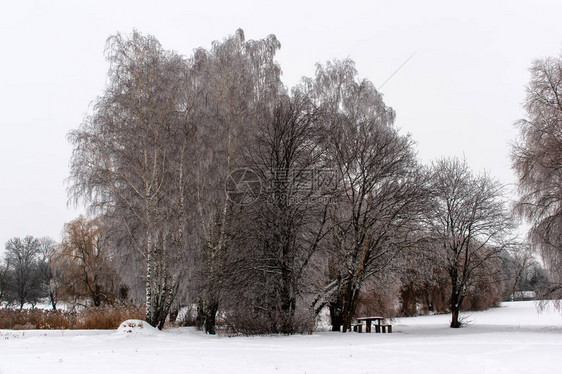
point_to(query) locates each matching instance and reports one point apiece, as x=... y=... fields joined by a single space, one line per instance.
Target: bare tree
x=84 y=262
x=21 y=255
x=48 y=270
x=131 y=160
x=4 y=279
x=518 y=263
x=272 y=257
x=380 y=191
x=537 y=160
x=153 y=157
x=469 y=225
x=232 y=80
x=424 y=282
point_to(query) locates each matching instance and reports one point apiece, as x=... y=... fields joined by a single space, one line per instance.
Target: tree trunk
x=455 y=317
x=206 y=316
x=455 y=298
x=349 y=303
x=210 y=320
x=148 y=293
x=336 y=315
x=288 y=303
x=288 y=317
x=164 y=308
x=53 y=299
x=343 y=308
x=200 y=319
x=96 y=295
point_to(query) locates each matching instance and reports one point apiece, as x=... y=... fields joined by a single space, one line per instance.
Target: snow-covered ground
x=511 y=339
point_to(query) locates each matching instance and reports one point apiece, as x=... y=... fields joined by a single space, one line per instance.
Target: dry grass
x=90 y=318
x=34 y=319
x=107 y=318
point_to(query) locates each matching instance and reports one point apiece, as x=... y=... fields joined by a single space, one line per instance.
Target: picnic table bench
x=380 y=326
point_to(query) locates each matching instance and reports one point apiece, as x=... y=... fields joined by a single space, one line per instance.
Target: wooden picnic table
x=378 y=323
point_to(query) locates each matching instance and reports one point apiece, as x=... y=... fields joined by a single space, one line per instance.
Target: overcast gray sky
x=458 y=95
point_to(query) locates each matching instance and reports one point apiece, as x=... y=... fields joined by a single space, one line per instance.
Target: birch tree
x=233 y=79
x=49 y=272
x=130 y=159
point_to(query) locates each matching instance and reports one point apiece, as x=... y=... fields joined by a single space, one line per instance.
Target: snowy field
x=511 y=339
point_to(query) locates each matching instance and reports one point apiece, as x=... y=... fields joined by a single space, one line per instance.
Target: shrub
x=239 y=321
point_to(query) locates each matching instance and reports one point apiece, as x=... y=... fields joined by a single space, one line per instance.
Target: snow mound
x=136 y=327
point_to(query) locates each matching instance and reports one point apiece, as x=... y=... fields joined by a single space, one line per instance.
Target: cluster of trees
x=77 y=271
x=325 y=202
x=214 y=185
x=25 y=274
